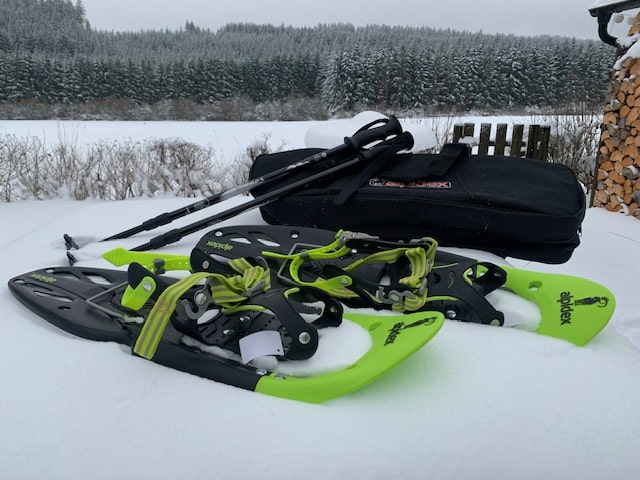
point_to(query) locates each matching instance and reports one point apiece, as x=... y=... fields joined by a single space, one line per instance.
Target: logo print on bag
x=381 y=182
x=567 y=303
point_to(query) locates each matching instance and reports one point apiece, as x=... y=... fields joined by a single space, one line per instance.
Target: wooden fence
x=534 y=145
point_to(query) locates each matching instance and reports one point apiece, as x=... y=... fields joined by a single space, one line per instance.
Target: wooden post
x=485 y=139
x=533 y=137
x=545 y=135
x=457 y=133
x=501 y=139
x=469 y=129
x=516 y=141
x=536 y=146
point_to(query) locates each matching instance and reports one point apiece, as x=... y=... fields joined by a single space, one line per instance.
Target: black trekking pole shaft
x=400 y=142
x=363 y=137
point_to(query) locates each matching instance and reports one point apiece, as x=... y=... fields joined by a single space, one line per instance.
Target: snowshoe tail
x=573 y=308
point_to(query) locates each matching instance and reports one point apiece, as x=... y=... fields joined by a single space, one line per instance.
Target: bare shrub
x=112 y=170
x=574 y=142
x=180 y=167
x=259 y=146
x=33 y=163
x=27 y=170
x=11 y=157
x=115 y=171
x=442 y=128
x=121 y=171
x=67 y=172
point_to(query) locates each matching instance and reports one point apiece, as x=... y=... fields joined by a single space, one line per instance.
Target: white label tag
x=259 y=344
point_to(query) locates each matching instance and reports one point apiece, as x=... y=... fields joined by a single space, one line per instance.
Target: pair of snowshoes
x=252 y=302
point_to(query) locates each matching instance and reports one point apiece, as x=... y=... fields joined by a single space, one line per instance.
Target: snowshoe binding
x=359 y=270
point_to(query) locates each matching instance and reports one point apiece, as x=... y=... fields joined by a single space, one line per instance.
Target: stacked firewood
x=618 y=180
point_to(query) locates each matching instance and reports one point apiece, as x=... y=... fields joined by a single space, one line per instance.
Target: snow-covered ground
x=227 y=138
x=476 y=402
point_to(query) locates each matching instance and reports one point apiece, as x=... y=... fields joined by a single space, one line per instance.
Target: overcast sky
x=524 y=17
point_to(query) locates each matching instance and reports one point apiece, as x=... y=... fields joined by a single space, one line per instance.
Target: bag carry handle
x=450 y=154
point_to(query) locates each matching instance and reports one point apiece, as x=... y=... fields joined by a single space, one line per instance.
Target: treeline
x=49 y=53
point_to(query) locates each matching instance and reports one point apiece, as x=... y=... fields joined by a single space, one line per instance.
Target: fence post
x=538 y=142
x=457 y=133
x=536 y=145
x=485 y=139
x=533 y=138
x=461 y=131
x=545 y=136
x=469 y=129
x=515 y=149
x=501 y=139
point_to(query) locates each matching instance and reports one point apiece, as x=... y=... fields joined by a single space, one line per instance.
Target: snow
x=629 y=7
x=604 y=3
x=331 y=133
x=632 y=50
x=476 y=402
x=227 y=138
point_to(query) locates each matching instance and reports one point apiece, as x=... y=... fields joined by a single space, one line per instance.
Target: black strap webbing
x=450 y=154
x=363 y=177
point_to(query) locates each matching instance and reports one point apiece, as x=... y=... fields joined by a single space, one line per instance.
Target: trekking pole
x=395 y=144
x=365 y=136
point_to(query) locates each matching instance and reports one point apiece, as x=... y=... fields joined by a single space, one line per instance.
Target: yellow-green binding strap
x=420 y=259
x=229 y=291
x=120 y=256
x=336 y=286
x=420 y=262
x=225 y=291
x=156 y=323
x=135 y=298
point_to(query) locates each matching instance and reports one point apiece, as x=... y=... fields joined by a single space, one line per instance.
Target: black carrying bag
x=513 y=207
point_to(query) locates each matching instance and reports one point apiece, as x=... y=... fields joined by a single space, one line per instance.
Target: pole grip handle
x=402 y=141
x=369 y=134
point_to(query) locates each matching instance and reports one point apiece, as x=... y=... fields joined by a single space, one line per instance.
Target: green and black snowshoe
x=221 y=327
x=365 y=271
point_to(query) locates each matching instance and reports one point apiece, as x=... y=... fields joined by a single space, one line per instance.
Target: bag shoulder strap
x=450 y=154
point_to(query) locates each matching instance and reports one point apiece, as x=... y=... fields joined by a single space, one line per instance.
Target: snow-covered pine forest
x=50 y=55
